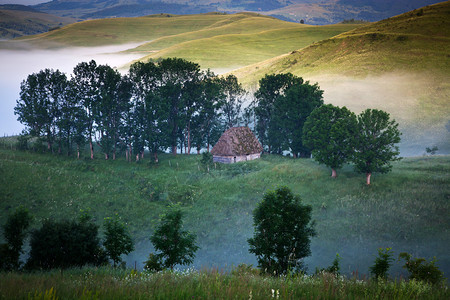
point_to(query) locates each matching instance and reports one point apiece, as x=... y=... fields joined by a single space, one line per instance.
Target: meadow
x=406 y=209
x=242 y=283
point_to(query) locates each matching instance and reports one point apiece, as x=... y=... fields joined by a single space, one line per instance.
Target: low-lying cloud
x=16 y=65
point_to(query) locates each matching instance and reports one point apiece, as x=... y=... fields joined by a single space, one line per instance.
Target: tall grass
x=107 y=283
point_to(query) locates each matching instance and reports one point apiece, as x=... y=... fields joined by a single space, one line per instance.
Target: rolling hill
x=316 y=12
x=400 y=64
x=20 y=20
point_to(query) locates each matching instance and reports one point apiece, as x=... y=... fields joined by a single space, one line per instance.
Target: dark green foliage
x=382 y=263
x=329 y=131
x=375 y=142
x=176 y=247
x=283 y=230
x=283 y=102
x=270 y=88
x=420 y=269
x=65 y=244
x=291 y=110
x=117 y=239
x=154 y=263
x=14 y=232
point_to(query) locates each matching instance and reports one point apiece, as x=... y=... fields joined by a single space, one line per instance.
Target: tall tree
x=179 y=78
x=329 y=131
x=206 y=123
x=234 y=97
x=283 y=231
x=270 y=88
x=149 y=113
x=40 y=97
x=114 y=96
x=86 y=81
x=375 y=142
x=290 y=112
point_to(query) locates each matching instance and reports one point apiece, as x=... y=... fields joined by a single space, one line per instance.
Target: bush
x=334 y=268
x=422 y=270
x=14 y=231
x=154 y=263
x=66 y=244
x=382 y=263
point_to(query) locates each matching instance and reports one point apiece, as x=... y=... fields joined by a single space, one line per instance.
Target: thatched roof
x=237 y=141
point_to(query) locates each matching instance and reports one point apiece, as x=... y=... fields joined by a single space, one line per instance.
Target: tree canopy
x=375 y=142
x=283 y=231
x=329 y=131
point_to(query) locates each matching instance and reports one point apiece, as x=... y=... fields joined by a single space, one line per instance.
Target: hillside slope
x=20 y=20
x=213 y=40
x=401 y=65
x=406 y=209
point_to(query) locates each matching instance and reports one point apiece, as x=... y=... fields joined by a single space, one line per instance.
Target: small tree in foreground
x=14 y=231
x=382 y=263
x=117 y=239
x=283 y=229
x=176 y=247
x=374 y=143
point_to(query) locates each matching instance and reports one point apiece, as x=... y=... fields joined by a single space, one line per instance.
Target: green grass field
x=406 y=209
x=107 y=283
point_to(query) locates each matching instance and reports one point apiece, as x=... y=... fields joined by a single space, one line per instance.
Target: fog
x=16 y=65
x=417 y=102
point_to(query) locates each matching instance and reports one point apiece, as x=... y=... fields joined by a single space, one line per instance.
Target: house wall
x=233 y=159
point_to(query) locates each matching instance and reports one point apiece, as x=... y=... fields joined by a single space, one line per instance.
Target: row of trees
x=172 y=104
x=161 y=105
x=156 y=106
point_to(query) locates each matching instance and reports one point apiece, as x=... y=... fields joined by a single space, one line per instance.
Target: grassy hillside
x=17 y=20
x=213 y=40
x=406 y=209
x=413 y=42
x=399 y=64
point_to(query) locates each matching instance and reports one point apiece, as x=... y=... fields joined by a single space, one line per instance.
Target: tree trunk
x=156 y=157
x=368 y=178
x=92 y=148
x=174 y=149
x=189 y=138
x=78 y=151
x=333 y=173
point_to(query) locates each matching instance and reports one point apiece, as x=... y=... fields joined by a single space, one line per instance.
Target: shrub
x=66 y=244
x=153 y=263
x=334 y=268
x=14 y=231
x=382 y=263
x=422 y=270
